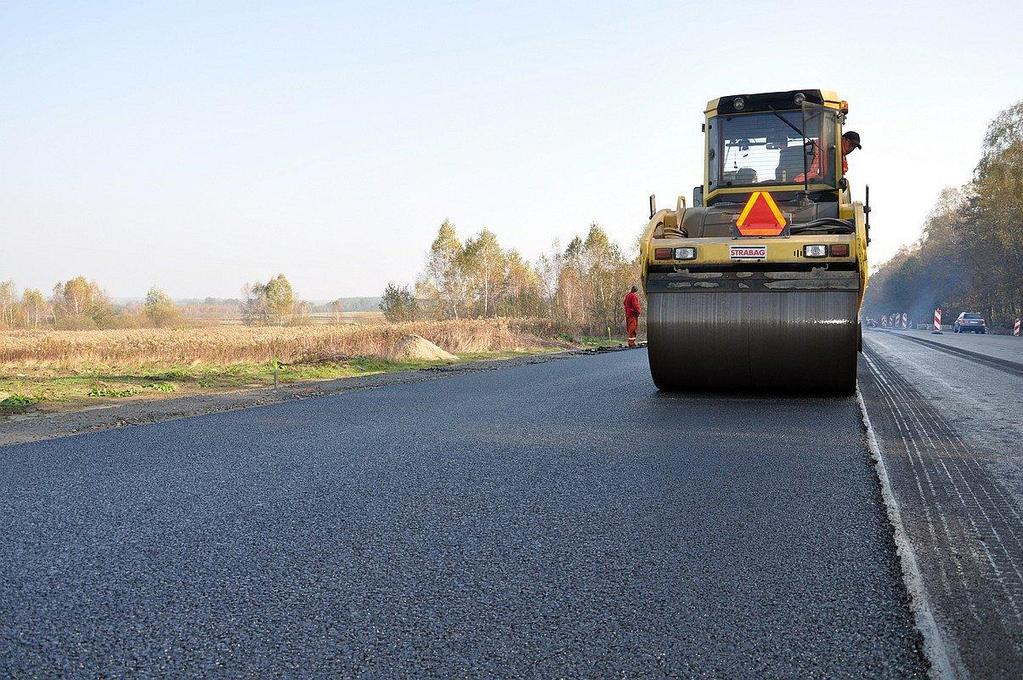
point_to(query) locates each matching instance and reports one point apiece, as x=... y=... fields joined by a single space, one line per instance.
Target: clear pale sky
x=197 y=146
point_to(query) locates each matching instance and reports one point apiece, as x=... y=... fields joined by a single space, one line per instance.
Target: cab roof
x=765 y=101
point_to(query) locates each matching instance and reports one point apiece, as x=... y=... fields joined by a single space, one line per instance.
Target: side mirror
x=698 y=196
x=653 y=206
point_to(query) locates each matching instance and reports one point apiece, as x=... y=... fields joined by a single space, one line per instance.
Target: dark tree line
x=970 y=256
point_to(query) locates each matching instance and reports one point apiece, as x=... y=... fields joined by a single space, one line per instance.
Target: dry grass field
x=314 y=318
x=236 y=344
x=60 y=366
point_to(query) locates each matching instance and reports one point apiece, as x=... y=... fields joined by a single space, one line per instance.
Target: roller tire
x=803 y=342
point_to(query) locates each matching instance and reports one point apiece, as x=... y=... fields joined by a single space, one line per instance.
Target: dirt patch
x=418 y=348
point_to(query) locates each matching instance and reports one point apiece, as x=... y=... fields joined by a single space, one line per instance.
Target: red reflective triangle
x=760 y=216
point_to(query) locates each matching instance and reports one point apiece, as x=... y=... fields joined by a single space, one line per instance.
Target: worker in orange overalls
x=632 y=312
x=850 y=142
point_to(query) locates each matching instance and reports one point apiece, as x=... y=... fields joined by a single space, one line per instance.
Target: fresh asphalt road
x=551 y=520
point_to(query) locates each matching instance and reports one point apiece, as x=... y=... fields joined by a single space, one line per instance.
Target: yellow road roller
x=757 y=285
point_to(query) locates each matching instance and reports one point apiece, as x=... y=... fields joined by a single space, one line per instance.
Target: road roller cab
x=758 y=284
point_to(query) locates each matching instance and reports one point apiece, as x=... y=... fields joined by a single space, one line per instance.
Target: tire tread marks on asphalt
x=967 y=531
x=1011 y=367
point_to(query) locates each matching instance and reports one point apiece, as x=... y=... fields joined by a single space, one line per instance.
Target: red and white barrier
x=884 y=322
x=937 y=321
x=1015 y=328
x=905 y=321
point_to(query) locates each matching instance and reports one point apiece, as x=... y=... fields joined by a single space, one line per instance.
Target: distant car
x=969 y=322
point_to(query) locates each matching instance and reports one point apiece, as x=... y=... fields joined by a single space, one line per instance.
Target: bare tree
x=337 y=308
x=484 y=266
x=444 y=281
x=34 y=305
x=8 y=301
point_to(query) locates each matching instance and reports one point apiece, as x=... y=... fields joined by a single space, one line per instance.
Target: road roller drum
x=753 y=341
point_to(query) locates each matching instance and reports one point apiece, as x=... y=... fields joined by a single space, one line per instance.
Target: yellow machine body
x=787 y=319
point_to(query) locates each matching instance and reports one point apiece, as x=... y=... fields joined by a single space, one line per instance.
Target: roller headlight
x=815 y=251
x=685 y=253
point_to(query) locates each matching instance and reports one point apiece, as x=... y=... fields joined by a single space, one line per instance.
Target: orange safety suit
x=632 y=312
x=816 y=169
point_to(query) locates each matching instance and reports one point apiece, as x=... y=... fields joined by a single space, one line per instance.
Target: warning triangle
x=760 y=216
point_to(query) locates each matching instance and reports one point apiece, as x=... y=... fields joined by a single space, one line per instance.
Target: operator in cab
x=850 y=142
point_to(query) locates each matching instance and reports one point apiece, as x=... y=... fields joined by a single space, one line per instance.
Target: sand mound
x=417 y=348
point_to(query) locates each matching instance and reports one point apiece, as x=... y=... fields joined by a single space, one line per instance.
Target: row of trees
x=580 y=285
x=970 y=256
x=81 y=304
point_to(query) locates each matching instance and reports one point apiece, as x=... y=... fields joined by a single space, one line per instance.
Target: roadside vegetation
x=474 y=299
x=50 y=366
x=225 y=345
x=970 y=256
x=579 y=286
x=88 y=383
x=81 y=304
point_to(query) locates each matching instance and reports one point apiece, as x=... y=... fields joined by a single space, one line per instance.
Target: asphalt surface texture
x=1001 y=346
x=1001 y=351
x=562 y=519
x=950 y=430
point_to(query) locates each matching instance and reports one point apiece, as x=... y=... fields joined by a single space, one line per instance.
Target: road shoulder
x=29 y=427
x=959 y=511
